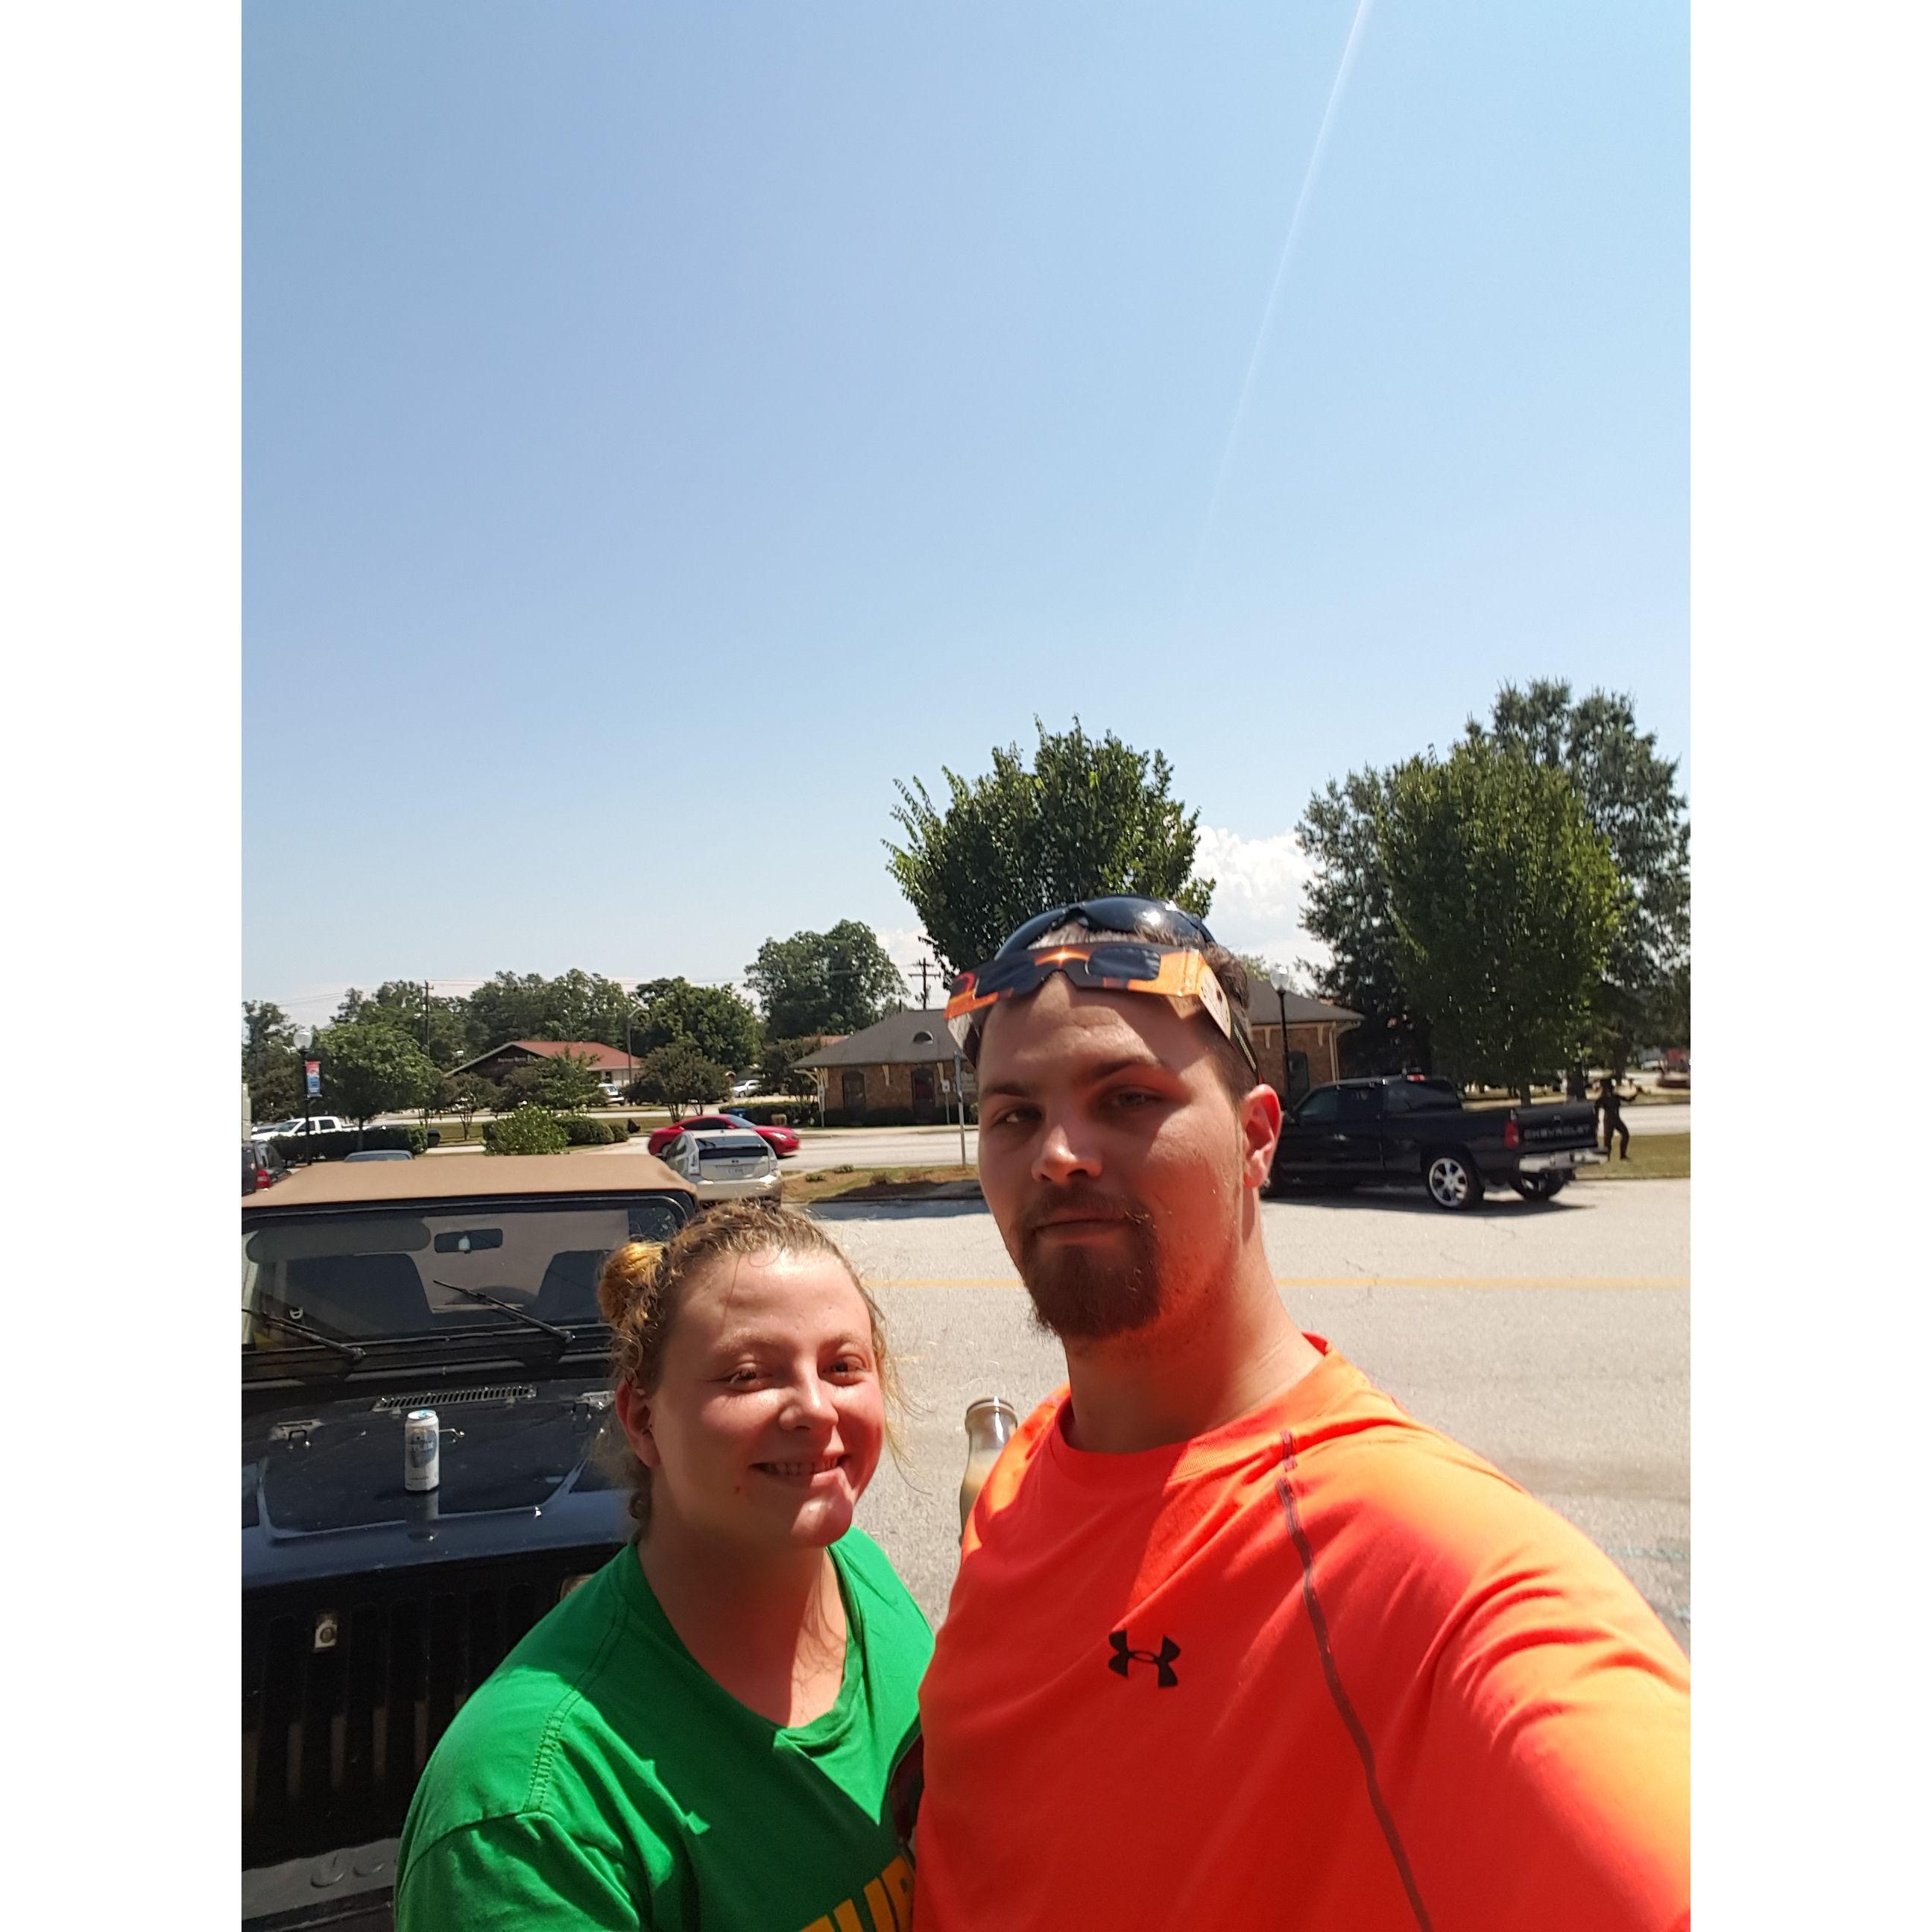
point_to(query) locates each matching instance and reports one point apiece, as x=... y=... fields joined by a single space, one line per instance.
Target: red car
x=781 y=1140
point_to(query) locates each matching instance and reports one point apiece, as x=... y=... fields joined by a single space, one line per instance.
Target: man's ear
x=1261 y=1128
x=634 y=1414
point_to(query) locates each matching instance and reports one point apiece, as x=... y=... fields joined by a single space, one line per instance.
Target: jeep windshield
x=493 y=1273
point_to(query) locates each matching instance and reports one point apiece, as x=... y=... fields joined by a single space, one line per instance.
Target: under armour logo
x=1124 y=1658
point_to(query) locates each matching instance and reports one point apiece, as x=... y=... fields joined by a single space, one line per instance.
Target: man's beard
x=1079 y=1293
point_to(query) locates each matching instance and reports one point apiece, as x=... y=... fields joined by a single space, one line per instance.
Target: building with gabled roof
x=609 y=1063
x=900 y=1068
x=903 y=1066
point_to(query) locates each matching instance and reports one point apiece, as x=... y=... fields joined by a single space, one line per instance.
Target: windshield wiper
x=307 y=1331
x=565 y=1336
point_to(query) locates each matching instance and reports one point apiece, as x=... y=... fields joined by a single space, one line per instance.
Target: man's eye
x=1012 y=1117
x=741 y=1378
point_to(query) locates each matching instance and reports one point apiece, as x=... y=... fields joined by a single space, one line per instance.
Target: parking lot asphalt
x=1552 y=1339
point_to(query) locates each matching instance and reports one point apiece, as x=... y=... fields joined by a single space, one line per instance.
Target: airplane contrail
x=1342 y=73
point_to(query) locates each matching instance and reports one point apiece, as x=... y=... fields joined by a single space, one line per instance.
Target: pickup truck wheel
x=1540 y=1186
x=1453 y=1181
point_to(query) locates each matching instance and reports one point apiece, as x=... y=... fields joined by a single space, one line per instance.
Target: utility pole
x=428 y=1097
x=924 y=974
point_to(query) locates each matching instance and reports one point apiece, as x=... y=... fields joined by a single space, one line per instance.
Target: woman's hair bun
x=627 y=1275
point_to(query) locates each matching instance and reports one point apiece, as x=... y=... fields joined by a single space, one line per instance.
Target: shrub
x=630 y=1126
x=585 y=1133
x=299 y=1149
x=525 y=1129
x=777 y=1112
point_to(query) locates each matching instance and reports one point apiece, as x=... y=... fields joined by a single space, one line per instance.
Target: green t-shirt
x=600 y=1778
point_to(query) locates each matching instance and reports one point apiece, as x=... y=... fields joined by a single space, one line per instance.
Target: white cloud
x=1260 y=888
x=902 y=946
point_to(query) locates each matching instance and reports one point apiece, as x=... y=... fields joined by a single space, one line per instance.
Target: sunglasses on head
x=1109 y=965
x=1159 y=921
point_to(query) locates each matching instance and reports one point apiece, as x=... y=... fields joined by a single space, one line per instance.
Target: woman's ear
x=633 y=1413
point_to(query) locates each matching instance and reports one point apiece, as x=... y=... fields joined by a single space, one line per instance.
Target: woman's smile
x=809 y=1469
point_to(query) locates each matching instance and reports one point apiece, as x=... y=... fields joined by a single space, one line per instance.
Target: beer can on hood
x=422 y=1461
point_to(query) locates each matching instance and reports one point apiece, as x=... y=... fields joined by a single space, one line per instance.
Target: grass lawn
x=1652 y=1157
x=868 y=1183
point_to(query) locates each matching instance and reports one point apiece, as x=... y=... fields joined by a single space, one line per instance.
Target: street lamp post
x=1279 y=981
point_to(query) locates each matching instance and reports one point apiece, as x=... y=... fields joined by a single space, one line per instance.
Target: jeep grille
x=347 y=1685
x=450 y=1398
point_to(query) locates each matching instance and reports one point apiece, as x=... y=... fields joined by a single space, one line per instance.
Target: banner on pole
x=313 y=1069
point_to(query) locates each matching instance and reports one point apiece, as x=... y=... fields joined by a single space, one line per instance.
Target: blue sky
x=665 y=427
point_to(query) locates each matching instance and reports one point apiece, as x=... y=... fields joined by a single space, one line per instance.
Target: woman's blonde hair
x=642 y=1287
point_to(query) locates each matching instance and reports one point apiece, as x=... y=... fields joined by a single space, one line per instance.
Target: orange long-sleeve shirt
x=1322 y=1667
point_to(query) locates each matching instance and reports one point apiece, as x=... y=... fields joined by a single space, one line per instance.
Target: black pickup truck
x=1404 y=1128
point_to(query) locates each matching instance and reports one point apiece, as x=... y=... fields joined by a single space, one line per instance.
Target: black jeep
x=370 y=1610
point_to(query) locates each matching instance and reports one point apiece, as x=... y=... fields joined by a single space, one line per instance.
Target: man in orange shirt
x=1235 y=1641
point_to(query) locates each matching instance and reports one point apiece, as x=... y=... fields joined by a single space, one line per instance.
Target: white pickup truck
x=321 y=1124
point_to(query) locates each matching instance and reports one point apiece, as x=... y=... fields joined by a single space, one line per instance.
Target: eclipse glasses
x=1166 y=959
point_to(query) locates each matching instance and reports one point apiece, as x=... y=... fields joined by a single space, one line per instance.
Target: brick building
x=1313 y=1031
x=609 y=1063
x=901 y=1069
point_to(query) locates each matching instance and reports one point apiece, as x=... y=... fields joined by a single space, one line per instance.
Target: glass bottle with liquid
x=989 y=1422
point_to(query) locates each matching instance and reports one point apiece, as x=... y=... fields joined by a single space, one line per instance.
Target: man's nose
x=1063 y=1150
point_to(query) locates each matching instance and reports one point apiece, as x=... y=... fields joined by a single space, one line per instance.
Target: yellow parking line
x=1651 y=1281
x=1636 y=1281
x=943 y=1281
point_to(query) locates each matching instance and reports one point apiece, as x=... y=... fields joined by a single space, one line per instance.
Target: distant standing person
x=1610 y=1104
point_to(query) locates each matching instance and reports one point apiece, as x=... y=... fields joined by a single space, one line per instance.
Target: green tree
x=677 y=1076
x=466 y=1095
x=818 y=982
x=565 y=1083
x=1506 y=900
x=1347 y=908
x=778 y=1072
x=575 y=1005
x=271 y=1063
x=1089 y=816
x=370 y=1067
x=1630 y=795
x=1668 y=1020
x=713 y=1020
x=438 y=1024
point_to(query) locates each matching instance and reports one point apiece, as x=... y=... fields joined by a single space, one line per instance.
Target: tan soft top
x=458 y=1177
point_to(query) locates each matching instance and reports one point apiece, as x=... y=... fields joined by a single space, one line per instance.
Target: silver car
x=725 y=1166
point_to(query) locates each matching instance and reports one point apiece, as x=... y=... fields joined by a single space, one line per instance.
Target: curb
x=907 y=1192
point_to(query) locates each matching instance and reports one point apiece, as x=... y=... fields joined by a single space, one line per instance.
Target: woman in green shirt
x=702 y=1734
